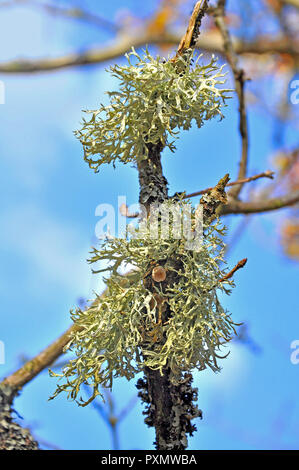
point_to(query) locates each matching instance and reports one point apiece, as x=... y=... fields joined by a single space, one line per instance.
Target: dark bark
x=12 y=435
x=153 y=185
x=169 y=407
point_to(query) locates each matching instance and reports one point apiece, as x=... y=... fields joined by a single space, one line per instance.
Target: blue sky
x=49 y=197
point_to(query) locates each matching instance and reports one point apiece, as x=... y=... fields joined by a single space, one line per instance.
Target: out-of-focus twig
x=266 y=174
x=73 y=13
x=108 y=413
x=239 y=77
x=262 y=205
x=209 y=42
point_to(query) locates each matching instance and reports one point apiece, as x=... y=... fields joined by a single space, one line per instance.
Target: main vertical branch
x=153 y=185
x=170 y=406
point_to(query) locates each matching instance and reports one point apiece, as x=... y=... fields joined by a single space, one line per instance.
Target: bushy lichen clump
x=165 y=314
x=140 y=322
x=154 y=100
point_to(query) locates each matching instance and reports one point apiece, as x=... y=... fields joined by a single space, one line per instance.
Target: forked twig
x=265 y=174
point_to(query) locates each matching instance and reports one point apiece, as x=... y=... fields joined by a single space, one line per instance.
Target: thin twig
x=126 y=410
x=190 y=37
x=124 y=210
x=239 y=77
x=266 y=174
x=255 y=207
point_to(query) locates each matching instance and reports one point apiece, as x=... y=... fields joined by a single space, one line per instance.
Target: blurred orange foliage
x=166 y=13
x=275 y=5
x=288 y=165
x=290 y=238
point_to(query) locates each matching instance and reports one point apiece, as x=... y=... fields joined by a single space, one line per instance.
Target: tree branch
x=210 y=42
x=239 y=77
x=169 y=407
x=190 y=37
x=44 y=359
x=266 y=174
x=34 y=366
x=254 y=207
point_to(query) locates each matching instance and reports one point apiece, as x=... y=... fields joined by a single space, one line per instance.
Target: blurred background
x=53 y=56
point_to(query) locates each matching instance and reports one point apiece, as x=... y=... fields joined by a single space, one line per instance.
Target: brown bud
x=159 y=274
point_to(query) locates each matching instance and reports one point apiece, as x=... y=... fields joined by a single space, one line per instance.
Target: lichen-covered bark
x=213 y=200
x=169 y=407
x=153 y=185
x=12 y=435
x=170 y=404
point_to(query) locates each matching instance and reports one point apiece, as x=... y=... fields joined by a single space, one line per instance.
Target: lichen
x=153 y=102
x=141 y=323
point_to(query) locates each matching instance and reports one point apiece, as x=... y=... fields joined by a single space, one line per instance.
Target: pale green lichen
x=139 y=322
x=120 y=333
x=153 y=102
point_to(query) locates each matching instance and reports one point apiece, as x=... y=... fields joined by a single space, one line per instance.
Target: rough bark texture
x=170 y=405
x=153 y=185
x=213 y=200
x=12 y=435
x=169 y=408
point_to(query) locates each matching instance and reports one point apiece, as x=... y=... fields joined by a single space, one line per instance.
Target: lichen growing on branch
x=165 y=315
x=155 y=99
x=141 y=322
